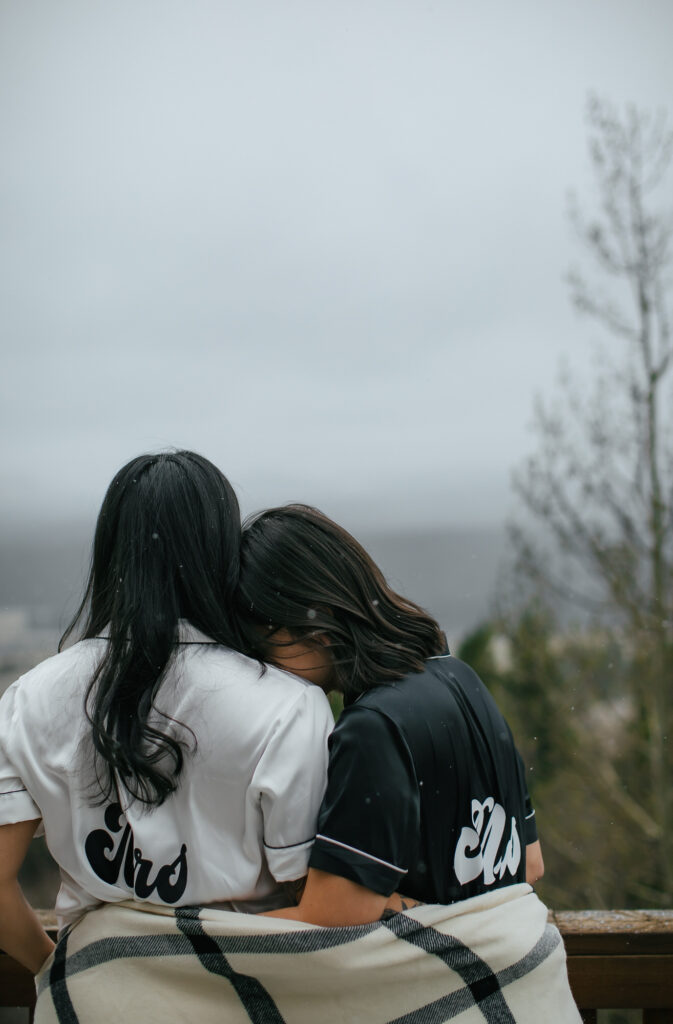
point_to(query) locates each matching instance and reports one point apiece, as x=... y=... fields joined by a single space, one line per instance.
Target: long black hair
x=302 y=572
x=166 y=548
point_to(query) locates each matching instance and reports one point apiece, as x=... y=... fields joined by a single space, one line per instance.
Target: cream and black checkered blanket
x=492 y=958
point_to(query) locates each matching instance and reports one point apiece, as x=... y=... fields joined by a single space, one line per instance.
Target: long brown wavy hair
x=302 y=572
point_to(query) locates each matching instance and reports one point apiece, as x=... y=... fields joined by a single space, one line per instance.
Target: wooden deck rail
x=618 y=959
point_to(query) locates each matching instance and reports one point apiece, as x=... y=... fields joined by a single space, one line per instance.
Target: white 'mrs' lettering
x=478 y=847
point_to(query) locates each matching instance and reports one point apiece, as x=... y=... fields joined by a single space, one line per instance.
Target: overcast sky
x=322 y=243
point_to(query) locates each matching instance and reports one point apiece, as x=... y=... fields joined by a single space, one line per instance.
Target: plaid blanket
x=492 y=958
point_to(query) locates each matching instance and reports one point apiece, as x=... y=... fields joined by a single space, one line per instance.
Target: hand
x=294 y=890
x=397 y=903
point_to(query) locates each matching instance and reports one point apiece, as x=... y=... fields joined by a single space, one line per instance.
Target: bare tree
x=600 y=487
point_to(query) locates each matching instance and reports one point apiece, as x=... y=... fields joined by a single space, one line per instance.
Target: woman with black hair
x=427 y=792
x=161 y=765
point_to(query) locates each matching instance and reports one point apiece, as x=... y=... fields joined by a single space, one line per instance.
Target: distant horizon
x=450 y=570
x=76 y=525
x=450 y=503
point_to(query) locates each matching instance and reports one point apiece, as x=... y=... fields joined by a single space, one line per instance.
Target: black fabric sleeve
x=530 y=826
x=368 y=826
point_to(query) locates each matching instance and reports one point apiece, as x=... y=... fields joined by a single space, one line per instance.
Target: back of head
x=302 y=572
x=166 y=548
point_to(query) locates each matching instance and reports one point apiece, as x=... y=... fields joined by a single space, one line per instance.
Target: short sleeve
x=16 y=804
x=290 y=781
x=369 y=823
x=530 y=826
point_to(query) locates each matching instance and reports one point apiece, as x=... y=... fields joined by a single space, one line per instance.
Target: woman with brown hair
x=426 y=792
x=426 y=796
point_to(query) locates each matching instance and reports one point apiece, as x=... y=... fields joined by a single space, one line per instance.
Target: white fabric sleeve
x=290 y=781
x=16 y=804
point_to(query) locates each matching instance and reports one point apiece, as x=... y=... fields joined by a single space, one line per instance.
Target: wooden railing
x=619 y=959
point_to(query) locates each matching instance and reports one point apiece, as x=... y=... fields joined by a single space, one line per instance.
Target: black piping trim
x=291 y=846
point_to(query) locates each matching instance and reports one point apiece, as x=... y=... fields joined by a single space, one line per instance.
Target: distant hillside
x=45 y=571
x=451 y=572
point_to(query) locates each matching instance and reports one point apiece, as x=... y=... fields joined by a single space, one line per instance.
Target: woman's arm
x=332 y=901
x=21 y=934
x=534 y=862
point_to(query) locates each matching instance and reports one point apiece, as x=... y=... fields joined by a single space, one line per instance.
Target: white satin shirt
x=244 y=816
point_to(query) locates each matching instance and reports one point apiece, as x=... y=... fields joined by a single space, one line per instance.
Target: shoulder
x=365 y=731
x=42 y=713
x=295 y=696
x=415 y=692
x=458 y=680
x=448 y=666
x=219 y=692
x=63 y=673
x=206 y=662
x=230 y=669
x=446 y=693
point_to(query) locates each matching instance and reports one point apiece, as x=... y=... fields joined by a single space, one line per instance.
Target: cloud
x=321 y=243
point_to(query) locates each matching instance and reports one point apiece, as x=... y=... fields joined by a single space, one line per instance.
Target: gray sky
x=322 y=243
